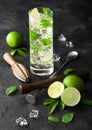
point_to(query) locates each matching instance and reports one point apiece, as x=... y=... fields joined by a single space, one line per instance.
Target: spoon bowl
x=72 y=55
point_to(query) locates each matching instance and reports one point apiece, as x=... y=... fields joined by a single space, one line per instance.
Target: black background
x=73 y=18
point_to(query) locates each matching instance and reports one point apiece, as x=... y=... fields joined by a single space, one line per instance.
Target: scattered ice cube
x=34 y=114
x=21 y=121
x=69 y=44
x=62 y=38
x=56 y=57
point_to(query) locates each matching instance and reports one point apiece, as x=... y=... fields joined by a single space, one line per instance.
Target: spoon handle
x=59 y=69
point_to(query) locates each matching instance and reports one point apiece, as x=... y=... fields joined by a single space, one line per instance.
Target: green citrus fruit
x=74 y=81
x=14 y=39
x=55 y=89
x=71 y=96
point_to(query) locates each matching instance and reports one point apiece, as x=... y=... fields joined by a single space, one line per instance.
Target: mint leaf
x=67 y=71
x=11 y=90
x=33 y=35
x=53 y=119
x=13 y=52
x=46 y=23
x=48 y=101
x=46 y=42
x=47 y=12
x=67 y=118
x=87 y=101
x=35 y=48
x=52 y=106
x=21 y=53
x=23 y=49
x=61 y=105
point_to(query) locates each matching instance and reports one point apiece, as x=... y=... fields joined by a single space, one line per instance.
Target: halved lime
x=55 y=89
x=71 y=96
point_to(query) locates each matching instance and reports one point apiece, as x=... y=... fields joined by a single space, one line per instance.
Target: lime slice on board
x=55 y=89
x=71 y=96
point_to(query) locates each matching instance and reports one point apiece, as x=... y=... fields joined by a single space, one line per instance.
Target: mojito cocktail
x=41 y=40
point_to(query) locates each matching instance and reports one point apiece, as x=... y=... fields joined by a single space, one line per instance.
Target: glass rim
x=40 y=7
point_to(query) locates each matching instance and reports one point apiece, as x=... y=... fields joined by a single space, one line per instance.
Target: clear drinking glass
x=41 y=40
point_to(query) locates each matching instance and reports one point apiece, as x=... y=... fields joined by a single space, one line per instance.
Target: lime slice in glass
x=34 y=16
x=55 y=89
x=71 y=96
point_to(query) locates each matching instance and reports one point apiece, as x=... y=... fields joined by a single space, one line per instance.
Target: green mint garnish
x=11 y=90
x=33 y=35
x=87 y=101
x=46 y=23
x=13 y=52
x=53 y=119
x=23 y=49
x=52 y=106
x=47 y=12
x=69 y=70
x=67 y=118
x=36 y=47
x=21 y=52
x=48 y=101
x=46 y=42
x=61 y=105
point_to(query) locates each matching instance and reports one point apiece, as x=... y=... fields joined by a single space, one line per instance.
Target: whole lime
x=74 y=81
x=14 y=39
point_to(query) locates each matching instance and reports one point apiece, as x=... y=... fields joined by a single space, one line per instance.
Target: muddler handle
x=27 y=87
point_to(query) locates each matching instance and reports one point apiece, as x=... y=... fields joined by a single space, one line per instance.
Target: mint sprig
x=11 y=90
x=33 y=35
x=20 y=51
x=47 y=12
x=69 y=70
x=46 y=42
x=67 y=118
x=54 y=104
x=46 y=23
x=53 y=119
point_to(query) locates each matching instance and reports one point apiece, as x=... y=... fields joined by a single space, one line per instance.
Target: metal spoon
x=70 y=56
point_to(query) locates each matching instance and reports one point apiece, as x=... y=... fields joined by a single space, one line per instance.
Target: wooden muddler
x=27 y=87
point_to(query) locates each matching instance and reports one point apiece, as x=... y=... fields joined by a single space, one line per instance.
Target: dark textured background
x=73 y=18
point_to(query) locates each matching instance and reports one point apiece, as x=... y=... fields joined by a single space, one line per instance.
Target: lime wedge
x=71 y=96
x=34 y=16
x=55 y=89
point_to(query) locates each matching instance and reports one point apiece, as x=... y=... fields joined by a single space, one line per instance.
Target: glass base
x=42 y=72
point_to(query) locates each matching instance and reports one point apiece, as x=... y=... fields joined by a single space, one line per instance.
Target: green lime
x=14 y=39
x=55 y=89
x=71 y=96
x=74 y=81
